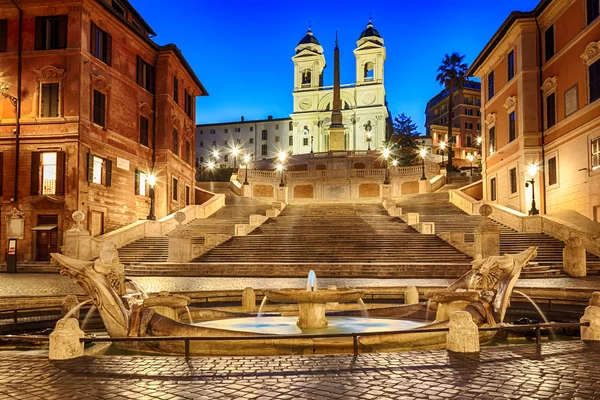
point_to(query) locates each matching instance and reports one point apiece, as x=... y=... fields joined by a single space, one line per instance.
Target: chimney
x=270 y=117
x=242 y=118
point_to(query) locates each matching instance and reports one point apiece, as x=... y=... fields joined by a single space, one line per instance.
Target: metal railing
x=355 y=336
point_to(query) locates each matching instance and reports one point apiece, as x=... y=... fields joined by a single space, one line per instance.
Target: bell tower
x=309 y=63
x=370 y=56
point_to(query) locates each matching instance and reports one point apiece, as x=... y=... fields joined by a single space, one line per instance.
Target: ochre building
x=540 y=78
x=91 y=107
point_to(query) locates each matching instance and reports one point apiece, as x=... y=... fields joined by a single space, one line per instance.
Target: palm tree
x=451 y=75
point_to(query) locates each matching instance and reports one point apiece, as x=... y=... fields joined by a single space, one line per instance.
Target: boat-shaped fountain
x=127 y=311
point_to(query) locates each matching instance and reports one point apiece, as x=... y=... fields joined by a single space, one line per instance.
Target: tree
x=404 y=139
x=451 y=75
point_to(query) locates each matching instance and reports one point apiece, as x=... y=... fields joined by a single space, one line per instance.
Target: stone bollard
x=574 y=263
x=64 y=340
x=463 y=336
x=411 y=295
x=68 y=304
x=592 y=315
x=249 y=300
x=487 y=235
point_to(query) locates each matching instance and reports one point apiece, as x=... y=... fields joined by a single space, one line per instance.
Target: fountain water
x=189 y=314
x=73 y=310
x=88 y=316
x=363 y=308
x=532 y=303
x=262 y=304
x=311 y=281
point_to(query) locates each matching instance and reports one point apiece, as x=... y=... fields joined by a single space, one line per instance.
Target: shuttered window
x=99 y=108
x=174 y=189
x=492 y=139
x=552 y=172
x=593 y=10
x=51 y=32
x=188 y=104
x=49 y=106
x=511 y=65
x=48 y=173
x=513 y=180
x=175 y=90
x=551 y=110
x=101 y=44
x=144 y=131
x=549 y=42
x=493 y=189
x=594 y=72
x=99 y=170
x=490 y=85
x=187 y=195
x=3 y=35
x=175 y=142
x=145 y=75
x=141 y=183
x=512 y=126
x=188 y=152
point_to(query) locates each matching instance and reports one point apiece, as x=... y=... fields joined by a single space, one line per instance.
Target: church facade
x=362 y=105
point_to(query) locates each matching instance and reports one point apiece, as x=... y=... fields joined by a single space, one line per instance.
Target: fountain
x=127 y=311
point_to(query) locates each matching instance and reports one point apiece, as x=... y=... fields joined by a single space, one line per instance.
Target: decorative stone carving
x=108 y=264
x=591 y=53
x=592 y=315
x=487 y=234
x=179 y=217
x=463 y=335
x=549 y=85
x=100 y=83
x=14 y=213
x=68 y=304
x=50 y=73
x=574 y=258
x=490 y=120
x=145 y=109
x=78 y=217
x=510 y=103
x=176 y=121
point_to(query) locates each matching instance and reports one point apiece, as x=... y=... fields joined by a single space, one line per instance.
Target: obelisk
x=336 y=129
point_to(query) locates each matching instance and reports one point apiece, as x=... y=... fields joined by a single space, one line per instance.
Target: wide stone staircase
x=435 y=207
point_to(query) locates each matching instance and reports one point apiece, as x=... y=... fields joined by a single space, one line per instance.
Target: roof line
x=186 y=65
x=244 y=122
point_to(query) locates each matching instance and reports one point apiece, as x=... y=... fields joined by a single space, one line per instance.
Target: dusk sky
x=241 y=50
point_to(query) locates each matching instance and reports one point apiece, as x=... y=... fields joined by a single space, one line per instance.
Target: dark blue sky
x=241 y=50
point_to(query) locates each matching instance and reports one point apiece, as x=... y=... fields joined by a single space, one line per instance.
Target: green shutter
x=137 y=182
x=35 y=173
x=108 y=178
x=60 y=173
x=90 y=167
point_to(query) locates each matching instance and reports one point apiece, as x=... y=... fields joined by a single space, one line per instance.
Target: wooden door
x=46 y=243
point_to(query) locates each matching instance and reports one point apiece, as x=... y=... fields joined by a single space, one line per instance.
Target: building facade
x=363 y=104
x=97 y=107
x=540 y=76
x=466 y=122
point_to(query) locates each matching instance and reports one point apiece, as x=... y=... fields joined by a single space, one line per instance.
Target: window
x=3 y=35
x=49 y=106
x=226 y=142
x=305 y=141
x=551 y=110
x=226 y=130
x=552 y=176
x=1 y=169
x=595 y=147
x=263 y=150
x=478 y=113
x=549 y=41
x=47 y=173
x=237 y=130
x=201 y=132
x=291 y=126
x=188 y=152
x=369 y=71
x=51 y=32
x=226 y=157
x=201 y=144
x=175 y=142
x=264 y=134
x=214 y=143
x=99 y=170
x=493 y=189
x=468 y=125
x=175 y=89
x=276 y=127
x=99 y=108
x=276 y=139
x=512 y=126
x=513 y=180
x=141 y=181
x=511 y=64
x=291 y=141
x=101 y=45
x=490 y=85
x=492 y=139
x=251 y=129
x=119 y=9
x=144 y=131
x=306 y=77
x=174 y=189
x=469 y=141
x=213 y=131
x=594 y=76
x=593 y=10
x=468 y=111
x=479 y=126
x=239 y=141
x=189 y=104
x=145 y=75
x=187 y=195
x=251 y=141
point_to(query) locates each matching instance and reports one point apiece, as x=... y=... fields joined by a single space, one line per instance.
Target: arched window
x=264 y=150
x=346 y=105
x=291 y=126
x=369 y=71
x=306 y=76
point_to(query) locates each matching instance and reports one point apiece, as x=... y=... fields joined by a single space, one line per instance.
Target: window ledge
x=47 y=120
x=97 y=186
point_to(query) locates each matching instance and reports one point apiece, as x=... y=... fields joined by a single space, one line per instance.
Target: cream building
x=362 y=103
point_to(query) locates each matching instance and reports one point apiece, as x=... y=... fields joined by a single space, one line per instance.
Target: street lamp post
x=386 y=155
x=423 y=153
x=369 y=138
x=532 y=171
x=5 y=94
x=443 y=147
x=246 y=161
x=151 y=181
x=470 y=158
x=282 y=156
x=211 y=167
x=235 y=152
x=312 y=139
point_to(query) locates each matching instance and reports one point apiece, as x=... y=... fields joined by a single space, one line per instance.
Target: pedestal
x=311 y=315
x=574 y=258
x=336 y=138
x=424 y=186
x=282 y=194
x=463 y=334
x=386 y=192
x=246 y=191
x=64 y=340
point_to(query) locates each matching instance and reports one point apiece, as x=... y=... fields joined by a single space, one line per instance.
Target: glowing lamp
x=279 y=167
x=442 y=145
x=394 y=163
x=246 y=159
x=211 y=165
x=423 y=153
x=282 y=156
x=386 y=153
x=151 y=179
x=235 y=151
x=532 y=169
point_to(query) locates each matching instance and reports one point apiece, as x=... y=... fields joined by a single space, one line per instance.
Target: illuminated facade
x=100 y=106
x=540 y=75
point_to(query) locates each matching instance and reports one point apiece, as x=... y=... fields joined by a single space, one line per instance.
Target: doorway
x=46 y=237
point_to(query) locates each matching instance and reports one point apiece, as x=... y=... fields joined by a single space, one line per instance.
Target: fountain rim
x=315 y=296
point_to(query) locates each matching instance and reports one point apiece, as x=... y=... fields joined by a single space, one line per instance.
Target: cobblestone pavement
x=54 y=284
x=563 y=370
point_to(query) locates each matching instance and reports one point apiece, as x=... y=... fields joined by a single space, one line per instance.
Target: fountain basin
x=311 y=303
